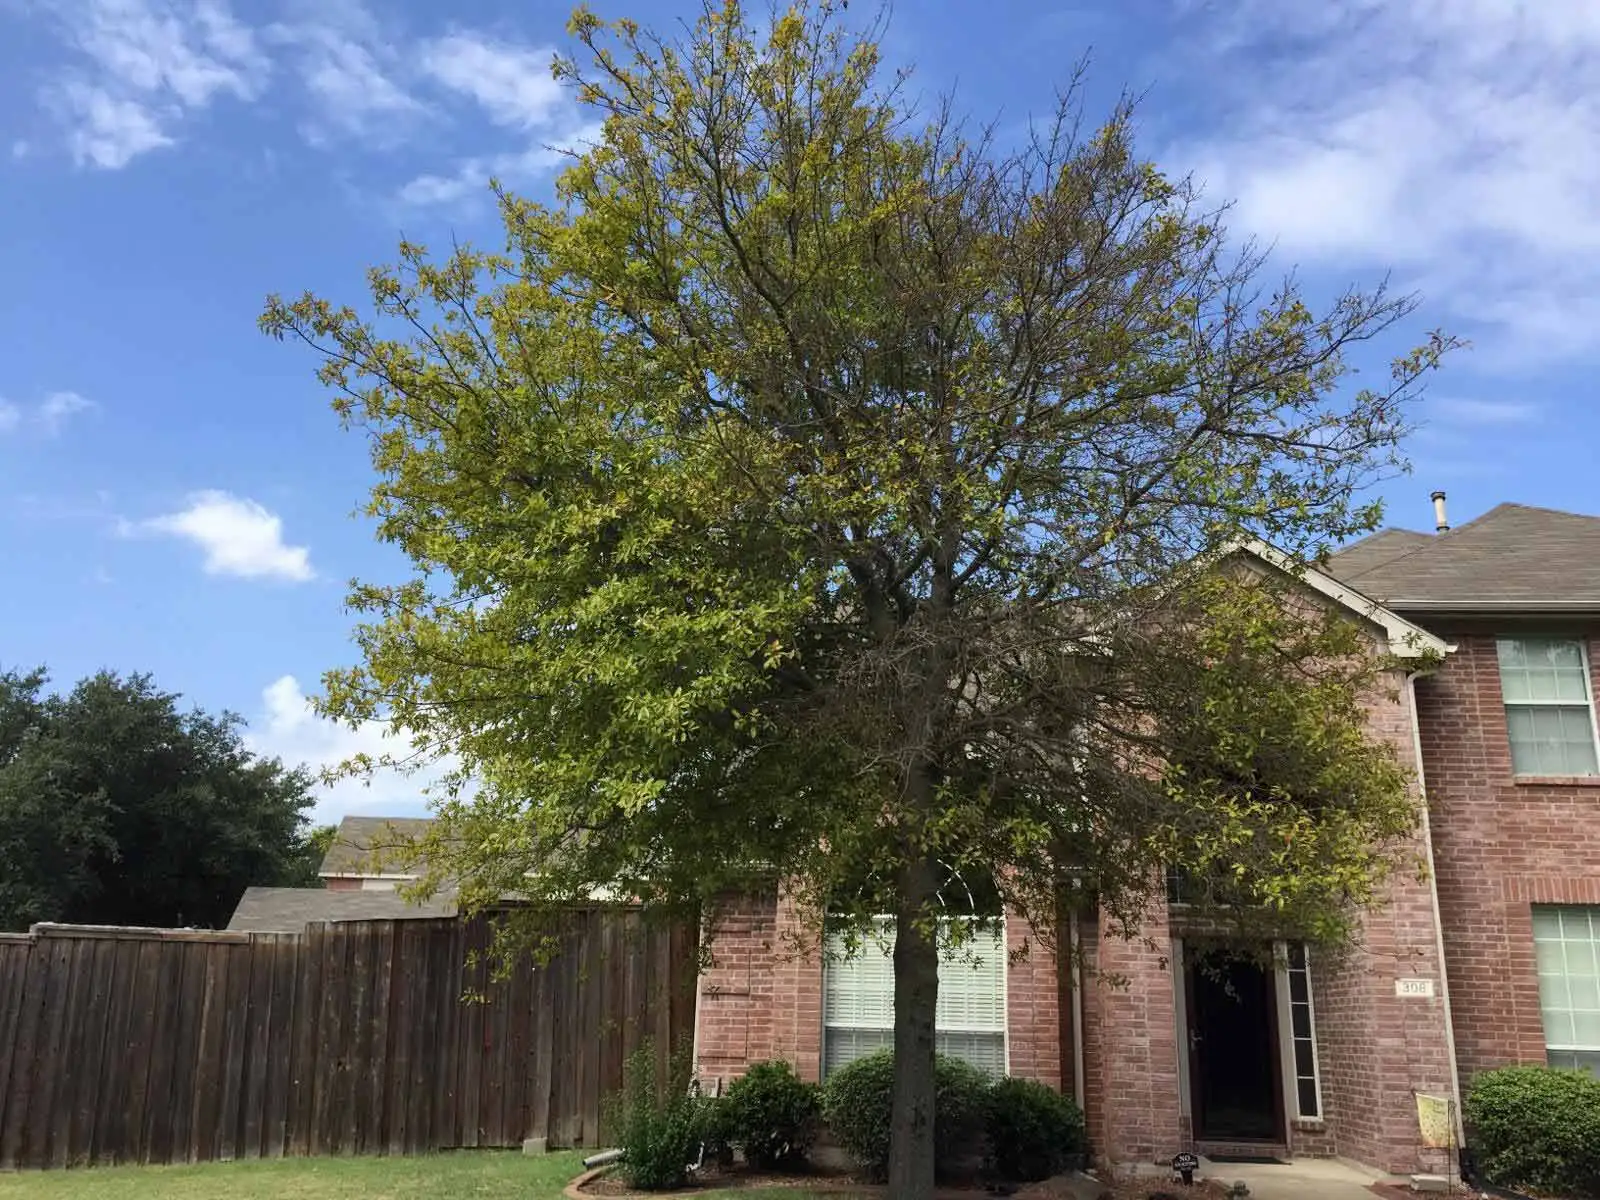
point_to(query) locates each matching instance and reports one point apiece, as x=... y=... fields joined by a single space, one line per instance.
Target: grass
x=474 y=1173
x=452 y=1176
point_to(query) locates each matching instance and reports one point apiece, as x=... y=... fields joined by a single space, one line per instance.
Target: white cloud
x=58 y=407
x=107 y=131
x=239 y=536
x=513 y=86
x=348 y=66
x=289 y=728
x=145 y=65
x=1465 y=411
x=1446 y=138
x=48 y=416
x=472 y=175
x=513 y=83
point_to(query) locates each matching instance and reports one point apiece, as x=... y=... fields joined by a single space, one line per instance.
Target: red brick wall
x=734 y=1022
x=342 y=884
x=1377 y=1050
x=1501 y=845
x=1033 y=1005
x=1130 y=1045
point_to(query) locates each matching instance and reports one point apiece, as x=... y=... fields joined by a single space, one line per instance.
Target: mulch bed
x=606 y=1184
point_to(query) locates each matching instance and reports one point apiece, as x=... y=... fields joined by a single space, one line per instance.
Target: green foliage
x=118 y=808
x=1537 y=1128
x=772 y=1115
x=657 y=1120
x=856 y=1102
x=1032 y=1131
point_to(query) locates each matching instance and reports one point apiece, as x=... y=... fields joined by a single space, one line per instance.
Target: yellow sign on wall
x=1436 y=1119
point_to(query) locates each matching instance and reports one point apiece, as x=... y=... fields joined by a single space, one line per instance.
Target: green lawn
x=471 y=1173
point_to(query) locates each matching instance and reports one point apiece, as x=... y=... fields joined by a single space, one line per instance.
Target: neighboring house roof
x=290 y=910
x=365 y=846
x=1514 y=558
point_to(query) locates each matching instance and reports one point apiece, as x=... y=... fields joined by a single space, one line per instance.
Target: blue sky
x=176 y=496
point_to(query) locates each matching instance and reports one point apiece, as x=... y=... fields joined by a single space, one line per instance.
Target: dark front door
x=1235 y=1077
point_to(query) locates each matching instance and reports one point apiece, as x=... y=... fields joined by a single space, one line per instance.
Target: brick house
x=1489 y=959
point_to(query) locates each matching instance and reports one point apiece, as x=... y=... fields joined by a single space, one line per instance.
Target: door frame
x=1188 y=1049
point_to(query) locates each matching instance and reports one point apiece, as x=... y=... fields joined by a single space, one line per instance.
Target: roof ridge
x=1542 y=508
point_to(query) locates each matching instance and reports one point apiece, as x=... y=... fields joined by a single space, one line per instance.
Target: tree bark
x=916 y=999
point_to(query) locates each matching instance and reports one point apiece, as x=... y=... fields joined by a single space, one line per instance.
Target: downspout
x=1438 y=923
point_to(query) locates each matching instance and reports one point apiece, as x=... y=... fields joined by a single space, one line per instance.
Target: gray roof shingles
x=1513 y=558
x=359 y=846
x=289 y=910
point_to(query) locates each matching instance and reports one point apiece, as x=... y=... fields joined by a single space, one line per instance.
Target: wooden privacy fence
x=137 y=1045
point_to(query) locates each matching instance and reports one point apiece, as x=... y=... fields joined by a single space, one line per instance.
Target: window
x=1566 y=943
x=1302 y=1033
x=858 y=1000
x=1545 y=685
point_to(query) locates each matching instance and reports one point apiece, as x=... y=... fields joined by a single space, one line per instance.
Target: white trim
x=1406 y=639
x=1005 y=998
x=1291 y=1067
x=363 y=875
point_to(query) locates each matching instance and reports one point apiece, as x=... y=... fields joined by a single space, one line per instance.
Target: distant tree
x=118 y=808
x=815 y=492
x=314 y=849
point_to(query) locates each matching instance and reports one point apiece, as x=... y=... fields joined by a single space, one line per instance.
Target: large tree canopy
x=117 y=808
x=814 y=492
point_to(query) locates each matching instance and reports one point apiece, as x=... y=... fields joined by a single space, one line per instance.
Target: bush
x=659 y=1122
x=1537 y=1128
x=857 y=1098
x=771 y=1115
x=1033 y=1131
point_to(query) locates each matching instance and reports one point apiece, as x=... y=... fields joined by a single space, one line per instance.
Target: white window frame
x=880 y=940
x=1566 y=1046
x=1588 y=701
x=1291 y=1065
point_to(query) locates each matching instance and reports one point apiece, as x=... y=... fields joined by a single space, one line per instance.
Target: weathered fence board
x=122 y=1045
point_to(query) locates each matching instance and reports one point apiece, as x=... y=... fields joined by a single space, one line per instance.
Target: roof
x=1375 y=549
x=366 y=845
x=289 y=910
x=1513 y=558
x=1406 y=640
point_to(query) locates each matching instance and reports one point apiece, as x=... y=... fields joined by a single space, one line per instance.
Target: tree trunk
x=916 y=999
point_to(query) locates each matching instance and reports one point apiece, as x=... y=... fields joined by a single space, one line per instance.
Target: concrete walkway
x=1322 y=1178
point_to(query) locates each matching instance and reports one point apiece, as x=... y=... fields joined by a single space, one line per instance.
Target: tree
x=117 y=808
x=816 y=494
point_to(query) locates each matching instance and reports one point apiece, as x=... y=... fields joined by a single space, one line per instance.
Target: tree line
x=120 y=807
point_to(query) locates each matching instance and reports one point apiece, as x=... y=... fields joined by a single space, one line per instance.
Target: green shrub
x=1537 y=1128
x=717 y=1131
x=659 y=1123
x=772 y=1115
x=856 y=1101
x=1032 y=1131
